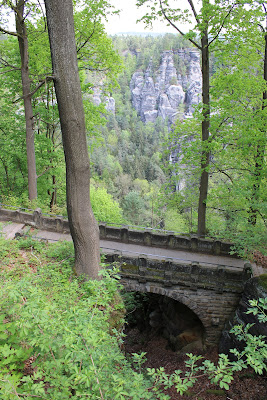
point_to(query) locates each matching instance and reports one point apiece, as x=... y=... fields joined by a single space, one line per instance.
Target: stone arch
x=174 y=294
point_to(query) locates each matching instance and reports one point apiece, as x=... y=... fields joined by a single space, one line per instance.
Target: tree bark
x=27 y=98
x=260 y=149
x=83 y=226
x=205 y=152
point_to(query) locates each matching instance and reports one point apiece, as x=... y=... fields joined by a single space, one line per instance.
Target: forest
x=130 y=168
x=175 y=129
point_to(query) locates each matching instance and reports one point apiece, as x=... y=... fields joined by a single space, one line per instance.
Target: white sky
x=126 y=21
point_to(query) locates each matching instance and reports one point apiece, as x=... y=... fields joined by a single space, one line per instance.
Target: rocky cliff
x=107 y=100
x=170 y=92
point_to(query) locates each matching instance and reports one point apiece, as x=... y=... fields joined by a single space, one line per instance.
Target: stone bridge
x=198 y=273
x=211 y=291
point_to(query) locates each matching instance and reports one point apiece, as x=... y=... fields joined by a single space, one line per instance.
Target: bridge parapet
x=164 y=240
x=123 y=233
x=172 y=272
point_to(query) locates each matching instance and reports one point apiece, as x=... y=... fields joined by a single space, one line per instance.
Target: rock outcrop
x=170 y=92
x=107 y=100
x=255 y=288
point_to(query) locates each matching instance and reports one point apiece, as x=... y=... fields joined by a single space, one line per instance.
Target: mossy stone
x=263 y=280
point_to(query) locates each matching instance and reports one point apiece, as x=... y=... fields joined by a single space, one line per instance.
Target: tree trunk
x=83 y=226
x=26 y=90
x=205 y=152
x=260 y=150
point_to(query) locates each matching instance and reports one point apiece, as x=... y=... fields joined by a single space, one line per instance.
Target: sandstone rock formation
x=108 y=100
x=170 y=92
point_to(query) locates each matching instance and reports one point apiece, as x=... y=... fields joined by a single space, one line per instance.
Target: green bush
x=105 y=208
x=67 y=331
x=63 y=324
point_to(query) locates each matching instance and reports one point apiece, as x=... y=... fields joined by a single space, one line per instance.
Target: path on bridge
x=10 y=230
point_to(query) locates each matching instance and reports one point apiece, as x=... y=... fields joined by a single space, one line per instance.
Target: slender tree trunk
x=260 y=150
x=50 y=134
x=83 y=226
x=205 y=152
x=26 y=90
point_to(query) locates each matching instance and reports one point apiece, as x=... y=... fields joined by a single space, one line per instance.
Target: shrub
x=60 y=336
x=62 y=324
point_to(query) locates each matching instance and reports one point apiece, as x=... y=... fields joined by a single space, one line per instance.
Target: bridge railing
x=122 y=233
x=109 y=223
x=174 y=271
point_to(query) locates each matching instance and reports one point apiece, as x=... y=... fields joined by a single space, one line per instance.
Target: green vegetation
x=263 y=280
x=61 y=327
x=130 y=159
x=60 y=336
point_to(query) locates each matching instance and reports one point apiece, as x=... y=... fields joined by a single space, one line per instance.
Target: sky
x=126 y=21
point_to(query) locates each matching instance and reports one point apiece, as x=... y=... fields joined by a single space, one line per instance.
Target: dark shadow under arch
x=168 y=316
x=186 y=300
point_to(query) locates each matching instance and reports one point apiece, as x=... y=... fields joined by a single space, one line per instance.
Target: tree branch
x=9 y=32
x=47 y=79
x=194 y=11
x=176 y=27
x=222 y=172
x=222 y=25
x=87 y=40
x=10 y=70
x=222 y=209
x=7 y=64
x=43 y=12
x=224 y=120
x=45 y=171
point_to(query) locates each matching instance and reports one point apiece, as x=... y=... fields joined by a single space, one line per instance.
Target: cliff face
x=107 y=100
x=171 y=91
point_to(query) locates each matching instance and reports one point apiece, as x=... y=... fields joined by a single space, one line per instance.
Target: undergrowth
x=60 y=335
x=59 y=324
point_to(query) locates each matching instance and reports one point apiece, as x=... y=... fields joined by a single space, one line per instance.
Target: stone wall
x=213 y=308
x=163 y=239
x=123 y=233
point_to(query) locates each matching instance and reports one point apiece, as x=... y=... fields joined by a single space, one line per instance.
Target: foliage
x=236 y=205
x=105 y=208
x=60 y=335
x=96 y=54
x=181 y=223
x=133 y=205
x=61 y=324
x=255 y=350
x=254 y=355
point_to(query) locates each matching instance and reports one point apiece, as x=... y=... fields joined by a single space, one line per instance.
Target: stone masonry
x=212 y=292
